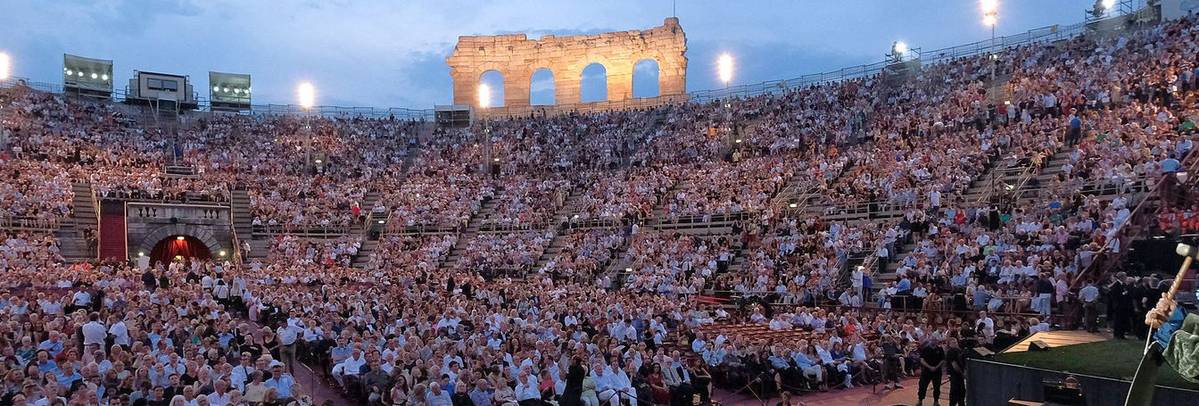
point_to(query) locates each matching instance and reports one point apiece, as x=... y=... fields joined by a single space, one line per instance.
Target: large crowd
x=524 y=260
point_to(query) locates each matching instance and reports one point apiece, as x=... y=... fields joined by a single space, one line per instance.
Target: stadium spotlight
x=222 y=253
x=990 y=9
x=180 y=238
x=95 y=76
x=724 y=68
x=5 y=66
x=899 y=48
x=141 y=254
x=307 y=95
x=1107 y=4
x=484 y=95
x=216 y=88
x=104 y=77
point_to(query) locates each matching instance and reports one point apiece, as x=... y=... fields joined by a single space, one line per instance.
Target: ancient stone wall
x=516 y=57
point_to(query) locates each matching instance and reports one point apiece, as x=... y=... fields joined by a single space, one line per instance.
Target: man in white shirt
x=119 y=332
x=220 y=394
x=1089 y=295
x=350 y=367
x=81 y=300
x=94 y=333
x=287 y=339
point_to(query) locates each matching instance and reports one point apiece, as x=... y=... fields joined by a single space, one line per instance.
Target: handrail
x=237 y=254
x=29 y=223
x=1120 y=231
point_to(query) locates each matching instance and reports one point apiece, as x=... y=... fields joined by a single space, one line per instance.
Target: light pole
x=990 y=9
x=484 y=95
x=307 y=95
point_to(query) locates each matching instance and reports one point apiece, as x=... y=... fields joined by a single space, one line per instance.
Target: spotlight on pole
x=5 y=66
x=484 y=95
x=990 y=9
x=307 y=95
x=724 y=68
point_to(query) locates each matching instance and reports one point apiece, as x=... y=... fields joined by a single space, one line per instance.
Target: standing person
x=574 y=383
x=955 y=367
x=1089 y=295
x=1119 y=306
x=891 y=355
x=1074 y=134
x=1043 y=303
x=932 y=362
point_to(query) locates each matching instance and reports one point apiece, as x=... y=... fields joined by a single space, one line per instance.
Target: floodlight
x=307 y=95
x=484 y=95
x=724 y=68
x=5 y=66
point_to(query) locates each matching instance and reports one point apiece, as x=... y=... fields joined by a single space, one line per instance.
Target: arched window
x=541 y=87
x=645 y=79
x=495 y=85
x=593 y=86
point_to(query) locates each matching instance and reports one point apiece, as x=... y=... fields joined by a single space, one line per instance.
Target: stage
x=1102 y=366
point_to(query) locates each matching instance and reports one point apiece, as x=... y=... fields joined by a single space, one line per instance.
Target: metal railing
x=29 y=223
x=204 y=105
x=1122 y=232
x=1037 y=35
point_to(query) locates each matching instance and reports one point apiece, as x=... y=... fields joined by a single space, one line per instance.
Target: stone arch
x=146 y=245
x=515 y=55
x=593 y=83
x=542 y=87
x=647 y=75
x=498 y=83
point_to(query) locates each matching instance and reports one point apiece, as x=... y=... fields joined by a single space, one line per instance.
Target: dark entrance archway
x=185 y=246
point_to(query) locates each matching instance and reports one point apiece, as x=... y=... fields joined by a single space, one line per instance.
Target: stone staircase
x=72 y=234
x=364 y=253
x=239 y=207
x=486 y=210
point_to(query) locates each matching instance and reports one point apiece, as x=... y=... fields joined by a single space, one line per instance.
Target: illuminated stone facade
x=516 y=57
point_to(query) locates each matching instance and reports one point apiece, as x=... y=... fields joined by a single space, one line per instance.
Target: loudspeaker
x=1038 y=345
x=983 y=351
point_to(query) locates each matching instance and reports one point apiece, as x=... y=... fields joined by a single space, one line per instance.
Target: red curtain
x=189 y=247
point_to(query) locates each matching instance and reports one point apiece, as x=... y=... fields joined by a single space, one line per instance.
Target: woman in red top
x=658 y=386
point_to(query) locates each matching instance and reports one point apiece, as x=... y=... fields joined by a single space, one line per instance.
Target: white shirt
x=120 y=333
x=94 y=333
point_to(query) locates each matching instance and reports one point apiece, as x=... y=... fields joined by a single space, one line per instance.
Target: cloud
x=391 y=53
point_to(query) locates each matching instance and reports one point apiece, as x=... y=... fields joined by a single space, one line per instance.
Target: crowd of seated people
x=584 y=254
x=493 y=329
x=516 y=251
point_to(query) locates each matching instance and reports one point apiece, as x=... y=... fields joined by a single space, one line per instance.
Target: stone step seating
x=486 y=210
x=763 y=332
x=364 y=253
x=72 y=240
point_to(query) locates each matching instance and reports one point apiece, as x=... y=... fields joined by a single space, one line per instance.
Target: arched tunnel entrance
x=179 y=246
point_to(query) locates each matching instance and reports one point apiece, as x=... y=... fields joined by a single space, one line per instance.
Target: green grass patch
x=1113 y=359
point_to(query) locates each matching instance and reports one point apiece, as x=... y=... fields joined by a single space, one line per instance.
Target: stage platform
x=1103 y=367
x=1055 y=339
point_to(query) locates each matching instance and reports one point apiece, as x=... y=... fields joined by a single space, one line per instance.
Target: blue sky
x=392 y=53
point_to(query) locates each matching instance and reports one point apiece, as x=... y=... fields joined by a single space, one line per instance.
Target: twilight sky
x=392 y=53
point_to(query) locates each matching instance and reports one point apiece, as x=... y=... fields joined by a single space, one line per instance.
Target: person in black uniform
x=955 y=367
x=1119 y=300
x=932 y=362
